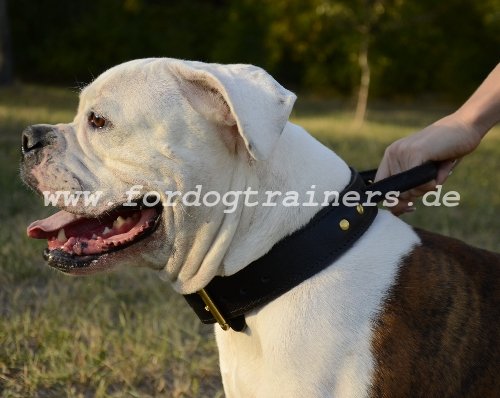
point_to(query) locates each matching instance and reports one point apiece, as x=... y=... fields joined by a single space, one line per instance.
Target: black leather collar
x=299 y=256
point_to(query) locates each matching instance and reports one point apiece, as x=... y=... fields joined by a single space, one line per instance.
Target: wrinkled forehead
x=132 y=83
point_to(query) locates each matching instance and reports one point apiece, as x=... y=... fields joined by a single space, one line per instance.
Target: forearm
x=482 y=110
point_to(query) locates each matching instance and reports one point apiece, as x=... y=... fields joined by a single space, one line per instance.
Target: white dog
x=402 y=313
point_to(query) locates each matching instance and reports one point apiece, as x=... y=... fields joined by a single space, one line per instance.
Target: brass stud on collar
x=344 y=224
x=360 y=209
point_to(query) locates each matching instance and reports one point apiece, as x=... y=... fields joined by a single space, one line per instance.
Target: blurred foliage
x=417 y=47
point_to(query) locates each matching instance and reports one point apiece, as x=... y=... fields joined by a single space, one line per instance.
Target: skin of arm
x=446 y=140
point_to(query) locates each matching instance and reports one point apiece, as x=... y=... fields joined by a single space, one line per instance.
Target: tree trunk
x=364 y=85
x=5 y=46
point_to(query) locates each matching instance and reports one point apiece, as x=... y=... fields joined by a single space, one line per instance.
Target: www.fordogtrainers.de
x=248 y=197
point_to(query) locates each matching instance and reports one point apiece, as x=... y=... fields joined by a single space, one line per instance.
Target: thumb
x=445 y=169
x=383 y=170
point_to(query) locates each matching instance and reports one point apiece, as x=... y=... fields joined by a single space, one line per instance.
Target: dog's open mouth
x=77 y=241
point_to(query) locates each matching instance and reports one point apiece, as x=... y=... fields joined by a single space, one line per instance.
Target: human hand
x=445 y=141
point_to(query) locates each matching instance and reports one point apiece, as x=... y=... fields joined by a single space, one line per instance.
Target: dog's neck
x=299 y=163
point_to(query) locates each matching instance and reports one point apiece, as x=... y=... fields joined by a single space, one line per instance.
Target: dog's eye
x=97 y=121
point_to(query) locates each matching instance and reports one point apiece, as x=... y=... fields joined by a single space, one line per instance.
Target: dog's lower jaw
x=276 y=355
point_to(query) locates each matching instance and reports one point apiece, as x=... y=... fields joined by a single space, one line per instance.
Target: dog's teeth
x=106 y=231
x=119 y=222
x=77 y=248
x=61 y=236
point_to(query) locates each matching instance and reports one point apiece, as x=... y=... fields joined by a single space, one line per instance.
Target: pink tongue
x=39 y=229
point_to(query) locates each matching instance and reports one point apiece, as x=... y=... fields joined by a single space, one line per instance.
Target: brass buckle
x=212 y=308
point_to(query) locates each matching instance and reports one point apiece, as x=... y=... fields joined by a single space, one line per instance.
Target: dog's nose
x=35 y=137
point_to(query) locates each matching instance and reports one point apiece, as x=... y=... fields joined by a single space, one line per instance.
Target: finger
x=383 y=170
x=403 y=199
x=402 y=207
x=421 y=190
x=445 y=169
x=405 y=196
x=414 y=193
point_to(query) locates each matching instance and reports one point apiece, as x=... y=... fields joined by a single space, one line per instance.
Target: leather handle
x=401 y=182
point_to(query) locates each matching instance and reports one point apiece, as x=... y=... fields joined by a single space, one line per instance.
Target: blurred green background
x=415 y=47
x=366 y=72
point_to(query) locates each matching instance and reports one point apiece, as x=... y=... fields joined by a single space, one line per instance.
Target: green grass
x=127 y=333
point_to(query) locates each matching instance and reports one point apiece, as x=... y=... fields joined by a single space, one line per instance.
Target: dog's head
x=151 y=125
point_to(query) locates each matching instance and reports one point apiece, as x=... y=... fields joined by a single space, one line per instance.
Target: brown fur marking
x=437 y=334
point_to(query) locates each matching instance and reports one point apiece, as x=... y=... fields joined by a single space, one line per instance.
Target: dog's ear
x=238 y=95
